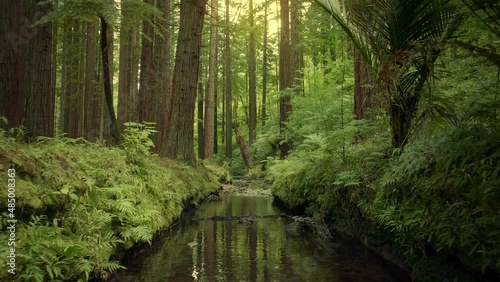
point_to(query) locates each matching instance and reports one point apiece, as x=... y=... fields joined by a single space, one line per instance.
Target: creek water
x=260 y=250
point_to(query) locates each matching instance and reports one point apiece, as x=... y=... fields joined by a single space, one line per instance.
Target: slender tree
x=264 y=66
x=285 y=73
x=227 y=91
x=108 y=92
x=252 y=95
x=210 y=124
x=182 y=98
x=199 y=121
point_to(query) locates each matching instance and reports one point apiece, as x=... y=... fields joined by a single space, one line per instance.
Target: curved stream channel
x=220 y=243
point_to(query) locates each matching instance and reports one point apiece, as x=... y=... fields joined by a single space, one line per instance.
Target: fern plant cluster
x=80 y=203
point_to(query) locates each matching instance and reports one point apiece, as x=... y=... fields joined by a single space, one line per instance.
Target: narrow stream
x=260 y=250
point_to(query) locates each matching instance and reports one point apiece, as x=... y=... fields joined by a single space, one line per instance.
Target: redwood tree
x=14 y=36
x=40 y=95
x=180 y=113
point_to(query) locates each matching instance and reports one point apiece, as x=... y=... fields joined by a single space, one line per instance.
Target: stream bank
x=240 y=235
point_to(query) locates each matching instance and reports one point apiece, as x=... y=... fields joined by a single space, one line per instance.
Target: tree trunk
x=210 y=125
x=362 y=94
x=40 y=96
x=108 y=94
x=182 y=99
x=162 y=48
x=201 y=139
x=227 y=92
x=13 y=61
x=244 y=150
x=264 y=68
x=125 y=72
x=91 y=117
x=252 y=95
x=148 y=83
x=69 y=108
x=285 y=75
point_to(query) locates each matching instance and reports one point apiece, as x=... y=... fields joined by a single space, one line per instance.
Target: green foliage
x=442 y=193
x=79 y=203
x=137 y=142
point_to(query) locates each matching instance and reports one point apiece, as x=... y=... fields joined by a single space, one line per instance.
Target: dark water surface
x=209 y=250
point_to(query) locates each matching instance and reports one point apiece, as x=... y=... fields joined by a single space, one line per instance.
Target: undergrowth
x=78 y=203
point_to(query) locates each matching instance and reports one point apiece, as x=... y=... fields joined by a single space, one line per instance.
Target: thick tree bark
x=40 y=96
x=227 y=91
x=162 y=52
x=210 y=99
x=92 y=93
x=108 y=94
x=252 y=95
x=71 y=78
x=148 y=83
x=180 y=117
x=125 y=95
x=14 y=35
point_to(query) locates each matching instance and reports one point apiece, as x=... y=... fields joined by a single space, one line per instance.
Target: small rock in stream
x=246 y=221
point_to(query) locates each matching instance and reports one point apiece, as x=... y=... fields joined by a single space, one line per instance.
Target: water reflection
x=227 y=250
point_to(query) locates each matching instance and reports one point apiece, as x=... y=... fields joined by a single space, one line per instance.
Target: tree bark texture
x=182 y=99
x=212 y=73
x=40 y=96
x=14 y=37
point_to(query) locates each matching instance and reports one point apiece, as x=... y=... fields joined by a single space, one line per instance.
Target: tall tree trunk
x=125 y=101
x=201 y=138
x=40 y=96
x=91 y=118
x=69 y=108
x=264 y=68
x=362 y=94
x=210 y=125
x=182 y=99
x=297 y=58
x=148 y=83
x=81 y=81
x=108 y=92
x=252 y=95
x=162 y=47
x=228 y=103
x=13 y=61
x=216 y=101
x=285 y=74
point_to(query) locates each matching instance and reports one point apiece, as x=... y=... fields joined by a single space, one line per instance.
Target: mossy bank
x=78 y=204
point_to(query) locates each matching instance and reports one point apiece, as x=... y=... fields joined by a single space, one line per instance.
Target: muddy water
x=259 y=250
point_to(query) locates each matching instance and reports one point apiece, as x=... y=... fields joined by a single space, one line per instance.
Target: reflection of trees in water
x=225 y=250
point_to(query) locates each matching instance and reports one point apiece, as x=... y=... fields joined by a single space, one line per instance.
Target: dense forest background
x=380 y=117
